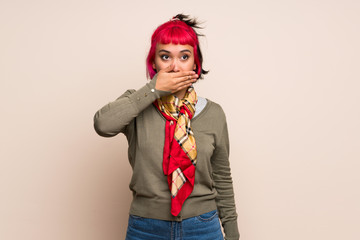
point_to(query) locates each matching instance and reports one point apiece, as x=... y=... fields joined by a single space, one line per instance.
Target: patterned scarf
x=179 y=158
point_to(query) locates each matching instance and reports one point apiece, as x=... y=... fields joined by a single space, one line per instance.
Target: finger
x=184 y=85
x=182 y=74
x=187 y=78
x=187 y=83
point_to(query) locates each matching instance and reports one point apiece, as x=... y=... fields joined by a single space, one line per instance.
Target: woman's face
x=182 y=56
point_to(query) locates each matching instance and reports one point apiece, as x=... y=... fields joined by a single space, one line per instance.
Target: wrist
x=159 y=93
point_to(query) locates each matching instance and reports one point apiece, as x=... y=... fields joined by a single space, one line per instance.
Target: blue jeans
x=203 y=227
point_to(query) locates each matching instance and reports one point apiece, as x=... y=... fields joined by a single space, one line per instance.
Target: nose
x=176 y=65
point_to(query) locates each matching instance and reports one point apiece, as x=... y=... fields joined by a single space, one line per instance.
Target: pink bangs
x=175 y=32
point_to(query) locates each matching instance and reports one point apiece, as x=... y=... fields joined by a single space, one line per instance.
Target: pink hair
x=176 y=32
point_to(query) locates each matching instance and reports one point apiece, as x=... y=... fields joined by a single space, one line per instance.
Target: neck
x=180 y=94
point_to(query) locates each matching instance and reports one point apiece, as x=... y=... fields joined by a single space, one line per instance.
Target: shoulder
x=216 y=110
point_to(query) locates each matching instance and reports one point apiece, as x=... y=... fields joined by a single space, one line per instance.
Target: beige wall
x=286 y=73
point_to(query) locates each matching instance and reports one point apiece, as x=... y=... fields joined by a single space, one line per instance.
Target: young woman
x=178 y=144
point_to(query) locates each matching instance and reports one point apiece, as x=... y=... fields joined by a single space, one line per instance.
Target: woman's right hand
x=170 y=81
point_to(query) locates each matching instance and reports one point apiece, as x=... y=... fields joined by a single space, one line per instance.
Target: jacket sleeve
x=223 y=184
x=115 y=116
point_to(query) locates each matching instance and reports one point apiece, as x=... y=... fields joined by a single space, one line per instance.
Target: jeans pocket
x=206 y=217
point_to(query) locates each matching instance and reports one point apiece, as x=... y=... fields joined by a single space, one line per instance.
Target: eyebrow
x=166 y=51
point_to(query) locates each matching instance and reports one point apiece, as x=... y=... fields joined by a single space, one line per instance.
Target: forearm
x=227 y=211
x=225 y=202
x=115 y=116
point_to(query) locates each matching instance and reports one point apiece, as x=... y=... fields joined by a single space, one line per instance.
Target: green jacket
x=134 y=115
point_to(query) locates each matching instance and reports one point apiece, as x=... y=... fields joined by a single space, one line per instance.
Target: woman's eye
x=165 y=57
x=184 y=57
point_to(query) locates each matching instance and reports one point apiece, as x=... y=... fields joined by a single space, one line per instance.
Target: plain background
x=286 y=73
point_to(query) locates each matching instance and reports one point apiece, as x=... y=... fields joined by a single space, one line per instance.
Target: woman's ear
x=153 y=65
x=194 y=68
